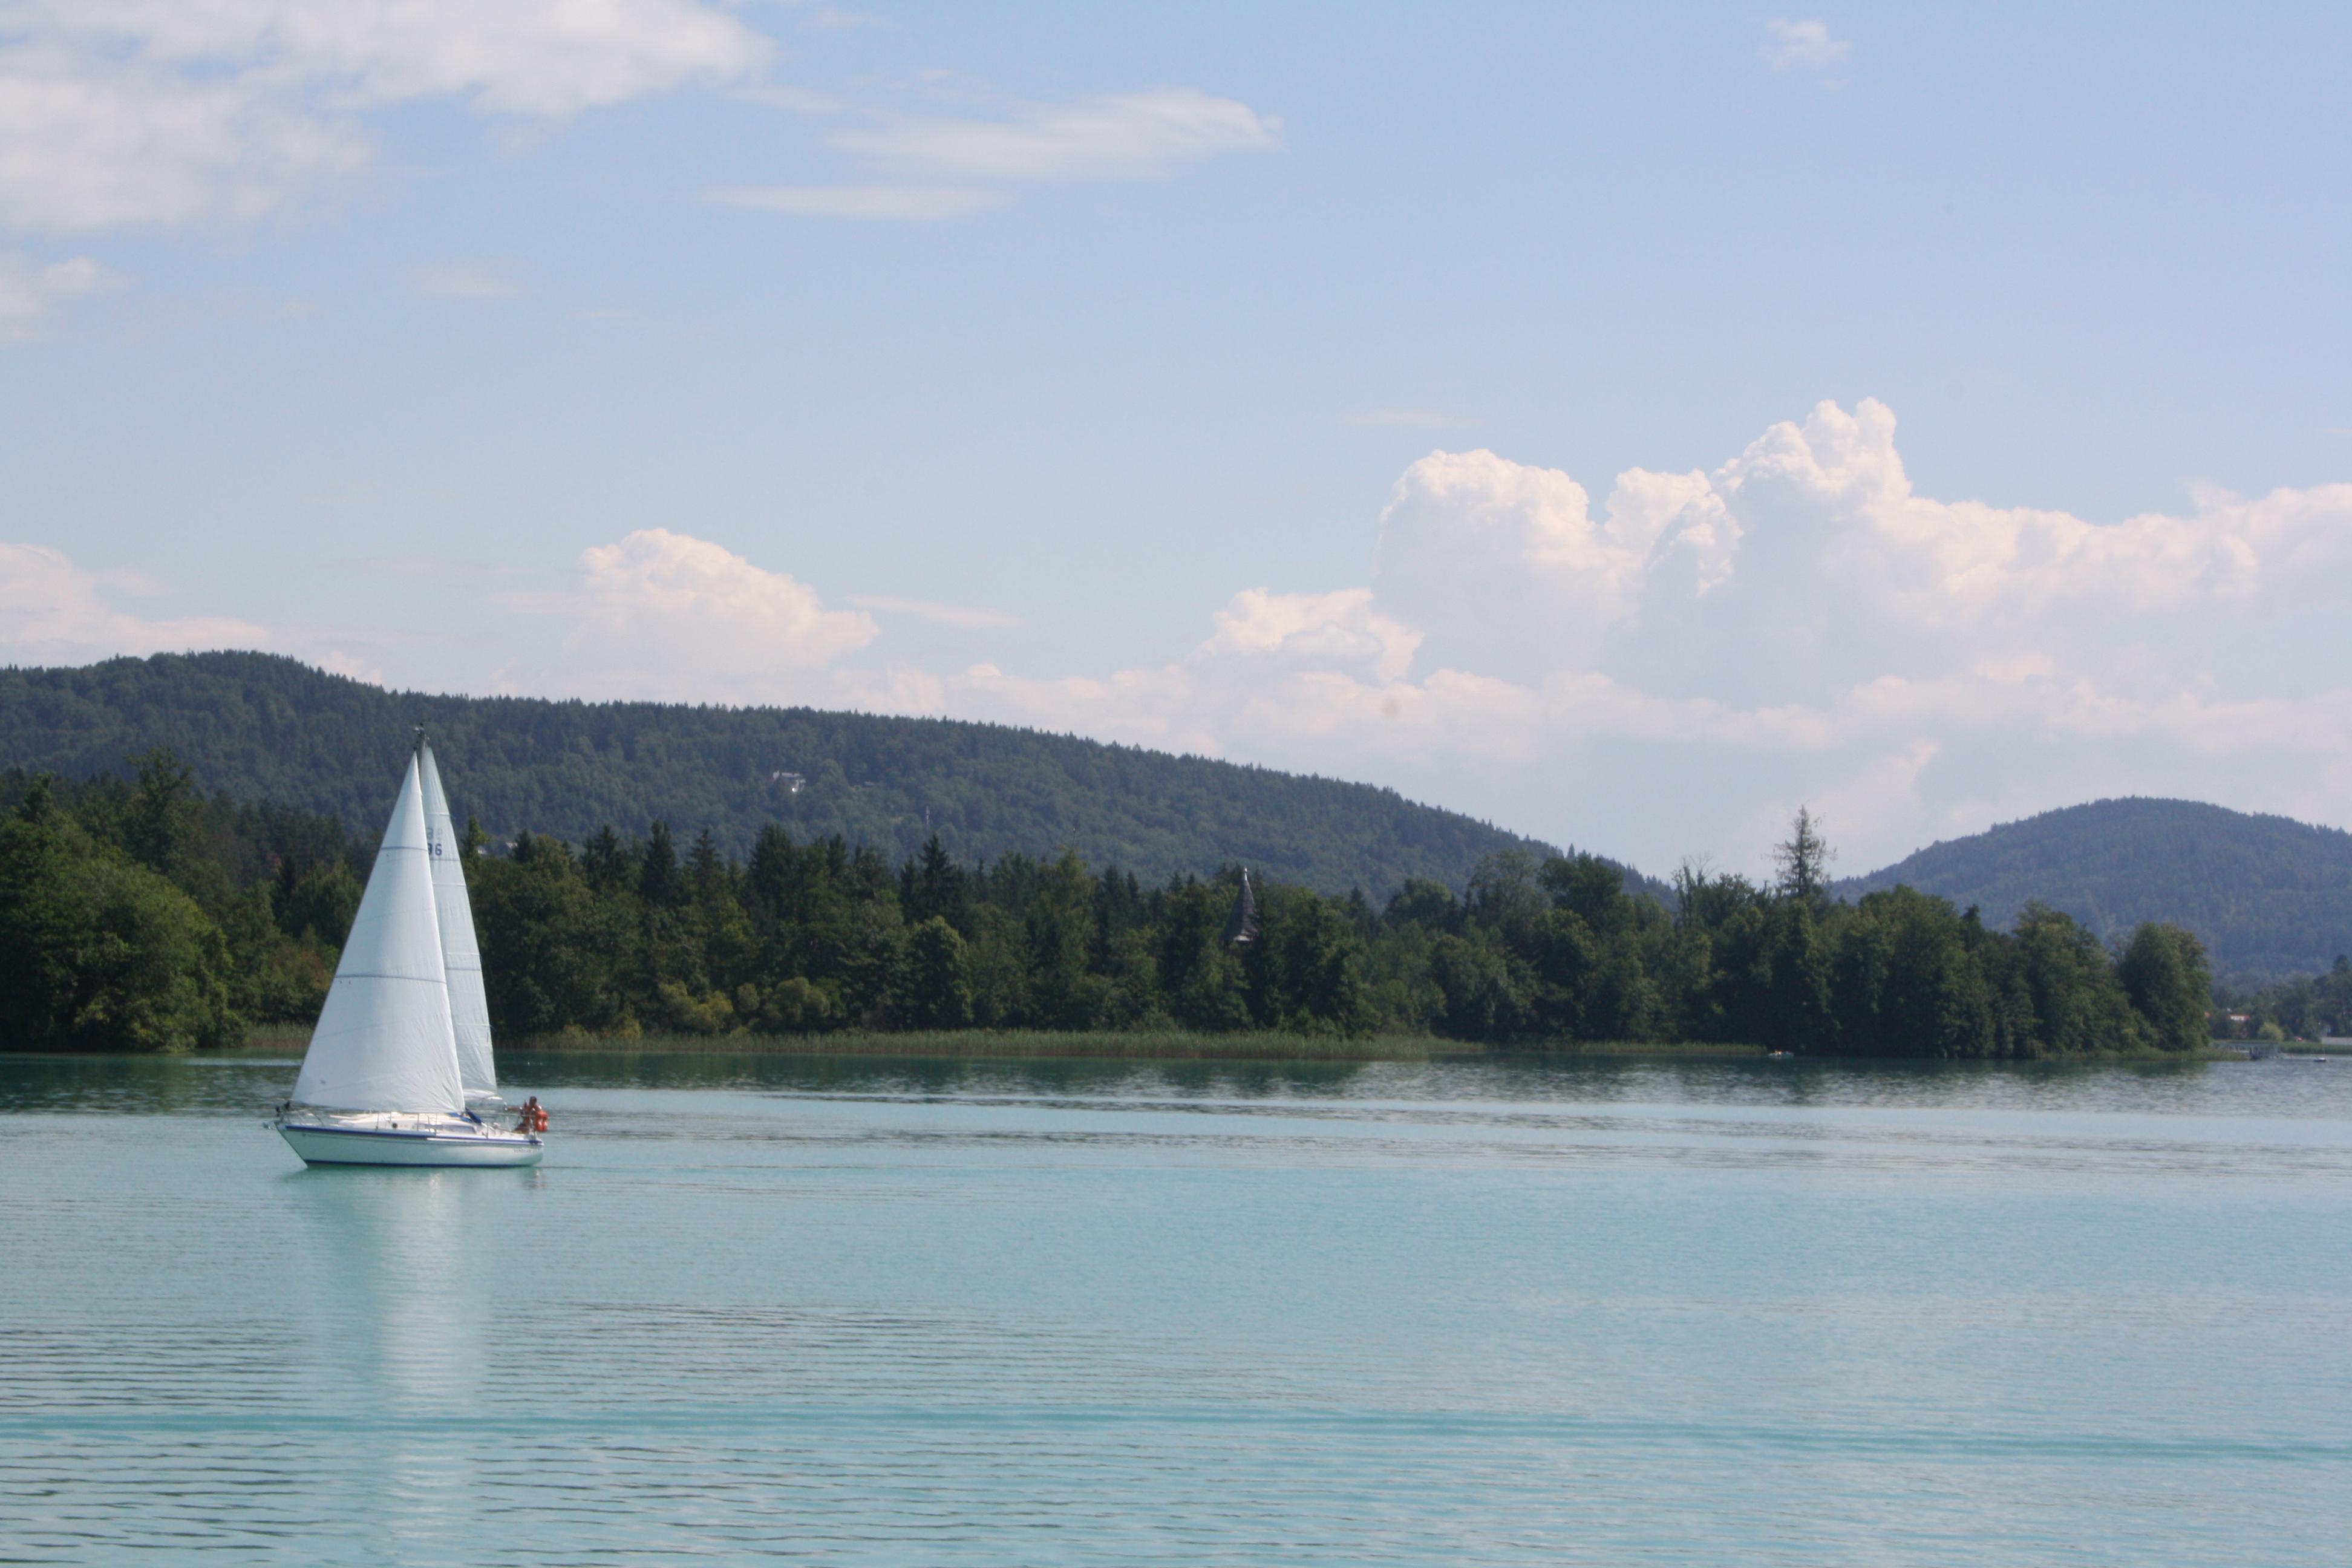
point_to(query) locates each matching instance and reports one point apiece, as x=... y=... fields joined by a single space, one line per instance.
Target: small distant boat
x=399 y=1070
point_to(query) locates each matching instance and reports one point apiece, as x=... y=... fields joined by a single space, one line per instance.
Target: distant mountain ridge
x=263 y=727
x=2271 y=896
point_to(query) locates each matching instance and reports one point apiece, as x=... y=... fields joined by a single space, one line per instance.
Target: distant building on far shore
x=794 y=782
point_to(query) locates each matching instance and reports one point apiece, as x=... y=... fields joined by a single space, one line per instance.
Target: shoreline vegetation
x=1039 y=1045
x=138 y=915
x=1046 y=1045
x=288 y=1040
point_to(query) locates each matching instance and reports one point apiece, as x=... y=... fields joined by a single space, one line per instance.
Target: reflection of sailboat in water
x=403 y=1041
x=398 y=1322
x=396 y=1335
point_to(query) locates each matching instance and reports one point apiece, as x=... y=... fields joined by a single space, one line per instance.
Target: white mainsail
x=384 y=1040
x=461 y=957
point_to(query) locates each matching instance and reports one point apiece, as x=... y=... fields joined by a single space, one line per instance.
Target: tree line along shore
x=139 y=914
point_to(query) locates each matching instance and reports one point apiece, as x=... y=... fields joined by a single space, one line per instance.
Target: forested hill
x=263 y=727
x=2271 y=896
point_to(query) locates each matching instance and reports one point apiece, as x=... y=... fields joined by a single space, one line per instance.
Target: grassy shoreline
x=1044 y=1045
x=1041 y=1045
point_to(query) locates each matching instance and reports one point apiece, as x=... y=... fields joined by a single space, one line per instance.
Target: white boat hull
x=325 y=1143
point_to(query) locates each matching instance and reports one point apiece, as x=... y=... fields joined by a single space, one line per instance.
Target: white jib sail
x=461 y=957
x=384 y=1040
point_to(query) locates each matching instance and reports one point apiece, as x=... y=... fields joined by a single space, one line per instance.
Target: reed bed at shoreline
x=1172 y=1045
x=1016 y=1044
x=1126 y=1045
x=980 y=1045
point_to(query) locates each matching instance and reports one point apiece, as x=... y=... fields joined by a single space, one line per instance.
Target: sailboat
x=403 y=1045
x=1241 y=926
x=461 y=956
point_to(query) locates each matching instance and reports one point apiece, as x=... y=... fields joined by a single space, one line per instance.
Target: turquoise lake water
x=948 y=1314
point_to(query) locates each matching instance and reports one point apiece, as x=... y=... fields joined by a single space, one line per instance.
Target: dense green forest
x=267 y=727
x=139 y=914
x=2273 y=896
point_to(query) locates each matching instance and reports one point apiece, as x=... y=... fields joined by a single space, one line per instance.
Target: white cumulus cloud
x=1664 y=664
x=54 y=612
x=661 y=615
x=1798 y=624
x=1506 y=567
x=1341 y=629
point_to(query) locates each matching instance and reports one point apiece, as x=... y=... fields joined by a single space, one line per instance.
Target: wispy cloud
x=96 y=143
x=138 y=113
x=902 y=202
x=1118 y=136
x=967 y=616
x=460 y=283
x=29 y=294
x=1408 y=418
x=1803 y=46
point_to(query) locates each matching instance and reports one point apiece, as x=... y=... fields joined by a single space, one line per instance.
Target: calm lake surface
x=988 y=1313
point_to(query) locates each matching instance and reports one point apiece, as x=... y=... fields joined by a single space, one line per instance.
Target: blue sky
x=1234 y=379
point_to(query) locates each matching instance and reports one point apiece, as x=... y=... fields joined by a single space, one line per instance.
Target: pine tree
x=157 y=830
x=1804 y=860
x=705 y=868
x=605 y=865
x=658 y=879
